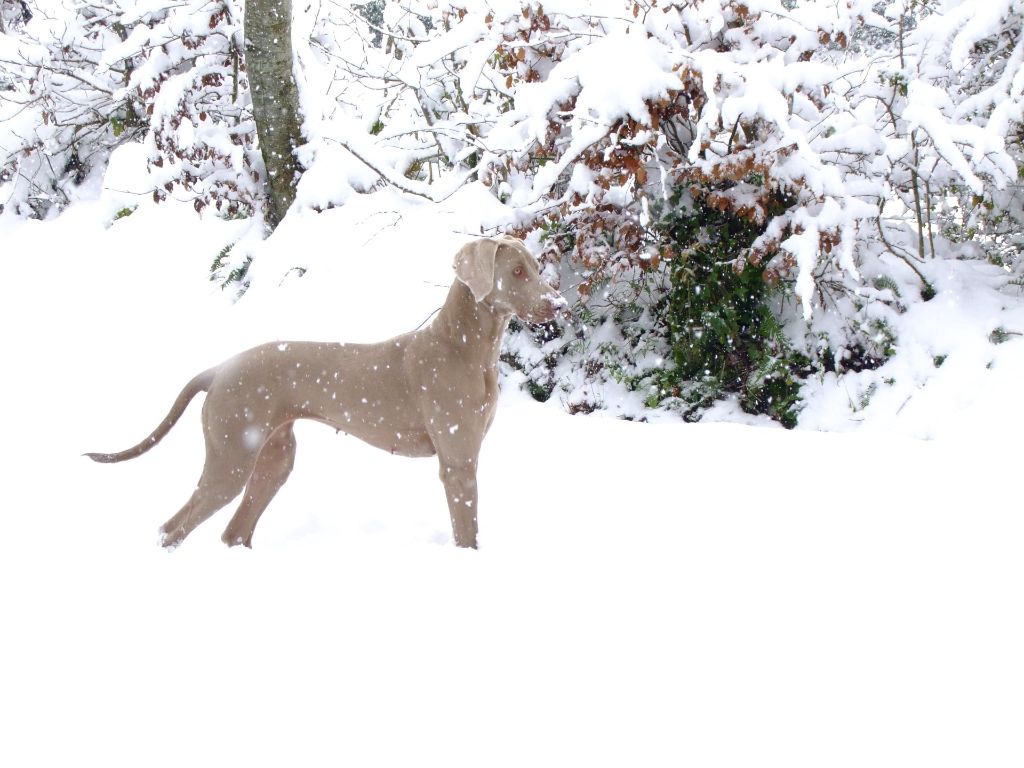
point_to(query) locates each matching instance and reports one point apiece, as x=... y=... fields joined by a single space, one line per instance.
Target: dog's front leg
x=459 y=478
x=455 y=420
x=458 y=448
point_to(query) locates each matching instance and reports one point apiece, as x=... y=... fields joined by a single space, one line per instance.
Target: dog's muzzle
x=551 y=305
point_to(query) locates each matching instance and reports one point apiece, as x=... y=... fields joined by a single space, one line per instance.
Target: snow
x=718 y=594
x=710 y=594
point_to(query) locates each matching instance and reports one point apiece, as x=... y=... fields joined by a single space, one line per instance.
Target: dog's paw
x=236 y=540
x=168 y=542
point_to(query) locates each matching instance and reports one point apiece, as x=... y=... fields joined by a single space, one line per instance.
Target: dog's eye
x=518 y=271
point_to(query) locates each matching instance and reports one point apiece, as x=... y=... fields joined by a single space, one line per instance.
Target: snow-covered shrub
x=686 y=327
x=689 y=109
x=974 y=58
x=202 y=136
x=862 y=148
x=61 y=111
x=580 y=115
x=108 y=72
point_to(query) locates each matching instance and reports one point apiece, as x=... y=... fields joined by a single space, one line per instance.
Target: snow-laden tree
x=61 y=112
x=82 y=78
x=202 y=134
x=966 y=105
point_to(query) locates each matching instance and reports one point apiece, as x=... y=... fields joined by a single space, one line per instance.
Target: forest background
x=749 y=204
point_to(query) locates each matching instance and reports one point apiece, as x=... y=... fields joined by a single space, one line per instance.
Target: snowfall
x=725 y=593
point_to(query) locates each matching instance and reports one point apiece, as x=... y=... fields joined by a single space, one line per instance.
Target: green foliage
x=692 y=322
x=864 y=398
x=722 y=333
x=884 y=282
x=219 y=261
x=555 y=233
x=373 y=13
x=1001 y=335
x=230 y=275
x=540 y=374
x=883 y=339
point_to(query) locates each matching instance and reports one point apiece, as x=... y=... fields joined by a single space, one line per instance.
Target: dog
x=431 y=392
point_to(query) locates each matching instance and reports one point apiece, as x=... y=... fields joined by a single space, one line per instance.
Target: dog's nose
x=559 y=306
x=550 y=305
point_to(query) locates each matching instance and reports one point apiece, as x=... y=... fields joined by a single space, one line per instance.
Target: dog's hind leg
x=221 y=481
x=275 y=462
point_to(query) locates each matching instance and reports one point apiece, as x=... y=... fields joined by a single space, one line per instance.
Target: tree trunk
x=275 y=99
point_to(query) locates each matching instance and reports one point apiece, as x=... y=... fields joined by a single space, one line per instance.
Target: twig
x=389 y=178
x=895 y=252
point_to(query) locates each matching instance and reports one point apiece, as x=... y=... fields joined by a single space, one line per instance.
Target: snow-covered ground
x=645 y=594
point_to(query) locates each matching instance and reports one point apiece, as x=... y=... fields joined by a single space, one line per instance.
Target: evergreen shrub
x=722 y=332
x=695 y=324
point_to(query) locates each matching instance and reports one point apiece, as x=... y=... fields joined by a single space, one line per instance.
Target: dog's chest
x=491 y=392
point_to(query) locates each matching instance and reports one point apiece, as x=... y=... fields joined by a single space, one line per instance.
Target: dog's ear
x=474 y=266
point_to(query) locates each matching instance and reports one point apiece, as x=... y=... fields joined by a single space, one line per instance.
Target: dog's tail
x=200 y=383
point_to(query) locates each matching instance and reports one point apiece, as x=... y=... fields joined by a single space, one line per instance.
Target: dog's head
x=503 y=275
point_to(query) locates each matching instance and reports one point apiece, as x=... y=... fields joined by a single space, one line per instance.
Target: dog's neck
x=470 y=324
